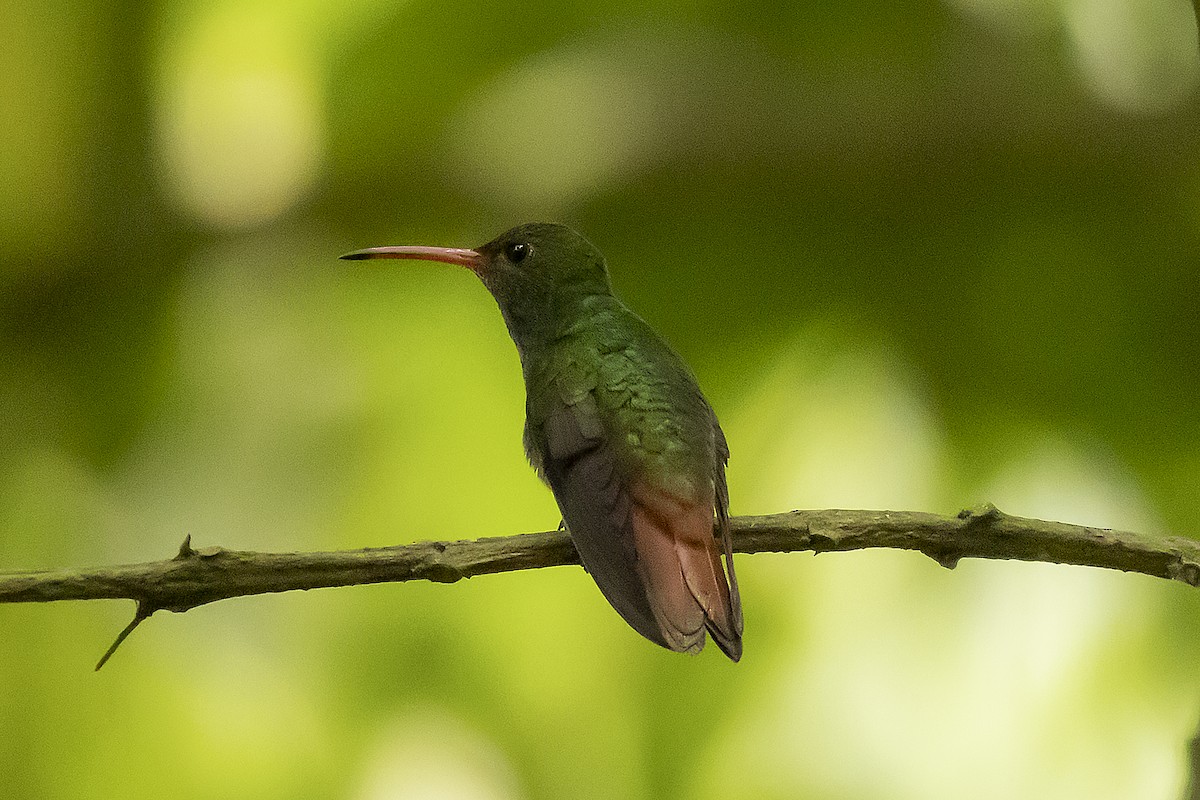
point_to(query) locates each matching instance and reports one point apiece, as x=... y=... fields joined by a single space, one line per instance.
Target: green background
x=920 y=255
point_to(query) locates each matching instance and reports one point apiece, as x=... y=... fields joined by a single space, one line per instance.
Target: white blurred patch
x=245 y=447
x=240 y=128
x=1013 y=17
x=555 y=129
x=429 y=755
x=848 y=431
x=995 y=681
x=1057 y=480
x=1135 y=55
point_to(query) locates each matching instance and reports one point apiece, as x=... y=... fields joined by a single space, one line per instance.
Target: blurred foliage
x=921 y=255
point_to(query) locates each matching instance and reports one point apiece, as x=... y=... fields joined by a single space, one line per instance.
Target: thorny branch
x=195 y=577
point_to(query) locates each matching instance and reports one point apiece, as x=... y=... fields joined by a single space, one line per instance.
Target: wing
x=582 y=472
x=651 y=552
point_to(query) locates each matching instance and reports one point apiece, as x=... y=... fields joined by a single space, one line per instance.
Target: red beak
x=470 y=259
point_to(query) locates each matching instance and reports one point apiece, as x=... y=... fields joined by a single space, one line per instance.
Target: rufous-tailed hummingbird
x=616 y=425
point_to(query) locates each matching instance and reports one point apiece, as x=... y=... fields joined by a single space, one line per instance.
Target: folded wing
x=653 y=554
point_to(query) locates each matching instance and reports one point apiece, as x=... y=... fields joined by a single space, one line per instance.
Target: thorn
x=985 y=512
x=140 y=614
x=185 y=549
x=947 y=559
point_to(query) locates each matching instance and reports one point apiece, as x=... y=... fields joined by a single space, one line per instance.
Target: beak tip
x=463 y=258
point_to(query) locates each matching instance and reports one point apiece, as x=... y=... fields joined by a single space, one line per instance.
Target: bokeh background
x=920 y=255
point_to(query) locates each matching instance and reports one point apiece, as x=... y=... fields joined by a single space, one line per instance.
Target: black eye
x=516 y=252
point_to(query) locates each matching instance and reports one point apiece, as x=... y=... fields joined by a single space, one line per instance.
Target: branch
x=196 y=577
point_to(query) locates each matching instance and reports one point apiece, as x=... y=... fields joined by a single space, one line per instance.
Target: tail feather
x=680 y=564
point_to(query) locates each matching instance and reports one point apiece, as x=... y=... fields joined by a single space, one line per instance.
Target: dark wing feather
x=582 y=473
x=652 y=554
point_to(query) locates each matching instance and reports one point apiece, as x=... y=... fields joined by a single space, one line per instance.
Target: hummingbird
x=616 y=426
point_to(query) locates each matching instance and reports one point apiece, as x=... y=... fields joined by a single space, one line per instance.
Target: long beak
x=470 y=259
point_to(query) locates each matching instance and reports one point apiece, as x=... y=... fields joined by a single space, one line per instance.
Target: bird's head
x=537 y=272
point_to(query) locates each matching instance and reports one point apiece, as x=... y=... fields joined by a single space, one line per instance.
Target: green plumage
x=617 y=426
x=612 y=369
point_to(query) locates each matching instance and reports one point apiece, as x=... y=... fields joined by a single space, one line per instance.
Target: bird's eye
x=516 y=252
